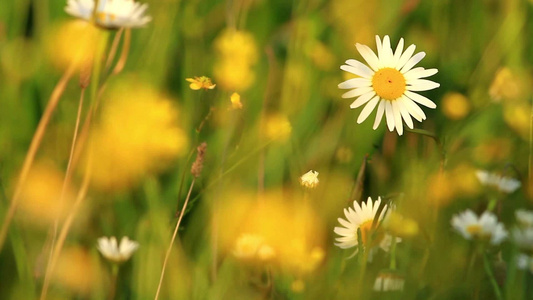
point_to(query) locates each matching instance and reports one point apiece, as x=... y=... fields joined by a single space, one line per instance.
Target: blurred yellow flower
x=455 y=106
x=40 y=198
x=517 y=116
x=505 y=86
x=309 y=179
x=236 y=101
x=252 y=246
x=68 y=272
x=233 y=75
x=237 y=45
x=73 y=43
x=277 y=127
x=400 y=225
x=237 y=53
x=298 y=286
x=293 y=242
x=138 y=134
x=201 y=83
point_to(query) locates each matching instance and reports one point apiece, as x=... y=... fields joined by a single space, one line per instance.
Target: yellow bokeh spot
x=388 y=83
x=506 y=85
x=400 y=225
x=138 y=134
x=73 y=43
x=517 y=117
x=41 y=202
x=67 y=271
x=455 y=106
x=236 y=101
x=277 y=127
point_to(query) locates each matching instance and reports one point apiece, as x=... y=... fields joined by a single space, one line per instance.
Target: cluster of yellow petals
x=138 y=134
x=237 y=54
x=202 y=82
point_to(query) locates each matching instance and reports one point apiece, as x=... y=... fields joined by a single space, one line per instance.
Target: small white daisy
x=361 y=218
x=486 y=227
x=524 y=217
x=309 y=179
x=502 y=183
x=524 y=262
x=388 y=282
x=523 y=237
x=114 y=252
x=110 y=14
x=390 y=84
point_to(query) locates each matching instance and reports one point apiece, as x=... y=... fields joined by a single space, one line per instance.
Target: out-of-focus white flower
x=309 y=179
x=110 y=14
x=114 y=252
x=502 y=183
x=524 y=217
x=390 y=83
x=524 y=262
x=486 y=227
x=523 y=237
x=388 y=282
x=361 y=217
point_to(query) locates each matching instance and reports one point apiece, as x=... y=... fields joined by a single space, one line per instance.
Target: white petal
x=386 y=52
x=368 y=109
x=405 y=56
x=379 y=46
x=405 y=113
x=369 y=56
x=413 y=61
x=421 y=85
x=420 y=99
x=414 y=109
x=418 y=73
x=362 y=100
x=389 y=115
x=398 y=53
x=397 y=117
x=360 y=69
x=355 y=83
x=379 y=114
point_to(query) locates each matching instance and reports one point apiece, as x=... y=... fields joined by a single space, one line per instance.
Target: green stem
x=393 y=254
x=435 y=138
x=114 y=276
x=492 y=279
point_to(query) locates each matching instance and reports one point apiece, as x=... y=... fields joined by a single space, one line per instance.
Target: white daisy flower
x=524 y=217
x=523 y=237
x=389 y=82
x=486 y=227
x=361 y=218
x=388 y=282
x=309 y=179
x=524 y=262
x=502 y=183
x=110 y=14
x=114 y=252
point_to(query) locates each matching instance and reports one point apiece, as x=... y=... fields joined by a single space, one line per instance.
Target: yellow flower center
x=389 y=83
x=102 y=16
x=474 y=229
x=366 y=227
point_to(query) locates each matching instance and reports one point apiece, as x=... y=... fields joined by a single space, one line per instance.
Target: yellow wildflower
x=278 y=127
x=309 y=179
x=137 y=135
x=455 y=106
x=505 y=86
x=200 y=83
x=236 y=101
x=73 y=43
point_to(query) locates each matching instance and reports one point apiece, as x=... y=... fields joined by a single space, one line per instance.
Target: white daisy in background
x=524 y=217
x=524 y=262
x=114 y=252
x=390 y=83
x=362 y=218
x=523 y=238
x=389 y=282
x=309 y=179
x=502 y=183
x=111 y=14
x=486 y=227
